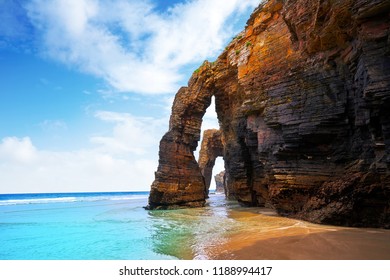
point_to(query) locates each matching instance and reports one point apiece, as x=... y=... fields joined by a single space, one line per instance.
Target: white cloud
x=130 y=134
x=134 y=47
x=124 y=159
x=84 y=170
x=210 y=119
x=17 y=150
x=129 y=43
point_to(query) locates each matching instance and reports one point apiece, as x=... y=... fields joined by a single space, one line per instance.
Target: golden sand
x=264 y=235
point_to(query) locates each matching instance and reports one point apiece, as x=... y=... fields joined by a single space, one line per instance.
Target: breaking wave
x=19 y=199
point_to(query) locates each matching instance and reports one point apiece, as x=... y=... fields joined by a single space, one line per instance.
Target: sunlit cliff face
x=302 y=99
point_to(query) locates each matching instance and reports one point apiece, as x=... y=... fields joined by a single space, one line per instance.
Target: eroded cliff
x=303 y=101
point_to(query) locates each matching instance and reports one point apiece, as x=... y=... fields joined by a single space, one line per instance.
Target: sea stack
x=303 y=101
x=211 y=148
x=220 y=182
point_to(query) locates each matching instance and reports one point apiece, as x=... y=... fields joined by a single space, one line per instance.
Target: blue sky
x=86 y=86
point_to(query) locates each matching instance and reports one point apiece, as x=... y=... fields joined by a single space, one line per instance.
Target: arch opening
x=217 y=183
x=211 y=149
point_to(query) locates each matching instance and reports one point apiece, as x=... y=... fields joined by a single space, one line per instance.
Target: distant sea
x=115 y=226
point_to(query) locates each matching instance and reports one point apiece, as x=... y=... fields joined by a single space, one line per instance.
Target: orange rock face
x=179 y=182
x=303 y=101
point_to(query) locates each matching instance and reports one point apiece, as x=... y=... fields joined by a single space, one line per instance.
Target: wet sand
x=264 y=235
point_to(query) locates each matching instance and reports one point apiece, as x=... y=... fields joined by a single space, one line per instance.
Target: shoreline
x=267 y=236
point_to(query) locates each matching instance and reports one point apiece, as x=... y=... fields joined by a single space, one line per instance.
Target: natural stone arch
x=211 y=148
x=178 y=180
x=303 y=110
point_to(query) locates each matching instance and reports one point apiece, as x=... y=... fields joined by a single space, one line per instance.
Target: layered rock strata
x=303 y=101
x=179 y=182
x=211 y=148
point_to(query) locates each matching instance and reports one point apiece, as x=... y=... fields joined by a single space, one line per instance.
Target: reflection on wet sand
x=267 y=236
x=224 y=230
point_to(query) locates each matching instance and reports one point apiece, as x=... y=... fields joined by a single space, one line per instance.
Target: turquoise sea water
x=115 y=226
x=79 y=226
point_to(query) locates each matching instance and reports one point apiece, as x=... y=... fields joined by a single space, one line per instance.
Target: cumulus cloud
x=83 y=170
x=124 y=159
x=131 y=134
x=136 y=48
x=17 y=150
x=131 y=44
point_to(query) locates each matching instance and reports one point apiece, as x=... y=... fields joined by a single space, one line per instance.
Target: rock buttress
x=303 y=100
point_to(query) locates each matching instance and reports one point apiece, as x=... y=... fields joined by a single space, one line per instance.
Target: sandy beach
x=264 y=235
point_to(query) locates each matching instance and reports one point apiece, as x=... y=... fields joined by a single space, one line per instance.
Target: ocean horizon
x=58 y=197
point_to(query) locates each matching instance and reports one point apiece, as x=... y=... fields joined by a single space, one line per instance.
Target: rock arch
x=178 y=180
x=302 y=98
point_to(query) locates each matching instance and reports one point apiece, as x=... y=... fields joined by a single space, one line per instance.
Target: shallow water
x=115 y=226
